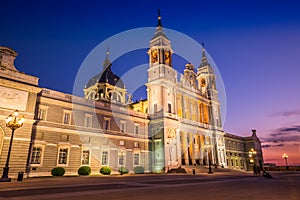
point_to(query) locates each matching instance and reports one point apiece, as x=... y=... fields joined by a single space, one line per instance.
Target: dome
x=107 y=76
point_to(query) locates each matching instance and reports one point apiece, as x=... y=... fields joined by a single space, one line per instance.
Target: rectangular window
x=136 y=159
x=137 y=129
x=36 y=156
x=206 y=114
x=185 y=108
x=106 y=124
x=104 y=157
x=121 y=159
x=85 y=157
x=65 y=138
x=169 y=108
x=122 y=127
x=63 y=156
x=88 y=121
x=42 y=113
x=67 y=117
x=201 y=112
x=136 y=144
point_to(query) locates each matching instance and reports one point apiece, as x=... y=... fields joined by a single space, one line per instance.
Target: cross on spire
x=107 y=63
x=159 y=18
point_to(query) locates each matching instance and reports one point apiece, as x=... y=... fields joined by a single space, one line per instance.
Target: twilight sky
x=255 y=44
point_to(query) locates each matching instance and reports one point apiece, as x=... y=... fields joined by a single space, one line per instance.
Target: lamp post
x=209 y=166
x=12 y=122
x=285 y=156
x=252 y=154
x=209 y=160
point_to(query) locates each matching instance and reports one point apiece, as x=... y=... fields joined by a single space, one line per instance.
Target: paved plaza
x=229 y=185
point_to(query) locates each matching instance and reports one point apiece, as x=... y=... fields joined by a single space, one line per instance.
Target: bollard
x=20 y=176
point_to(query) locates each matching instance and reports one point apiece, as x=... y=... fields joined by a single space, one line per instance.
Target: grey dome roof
x=106 y=76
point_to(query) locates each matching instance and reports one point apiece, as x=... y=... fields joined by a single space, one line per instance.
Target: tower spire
x=159 y=29
x=107 y=62
x=204 y=60
x=159 y=24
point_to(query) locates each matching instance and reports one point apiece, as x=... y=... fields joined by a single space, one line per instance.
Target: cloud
x=287 y=113
x=289 y=129
x=271 y=145
x=283 y=135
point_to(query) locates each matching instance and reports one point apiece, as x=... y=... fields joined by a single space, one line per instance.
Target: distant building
x=178 y=124
x=238 y=149
x=268 y=165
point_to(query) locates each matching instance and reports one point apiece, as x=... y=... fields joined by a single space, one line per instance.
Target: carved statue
x=129 y=100
x=181 y=77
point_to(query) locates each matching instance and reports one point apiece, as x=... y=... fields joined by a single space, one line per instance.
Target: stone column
x=184 y=150
x=192 y=146
x=201 y=146
x=197 y=148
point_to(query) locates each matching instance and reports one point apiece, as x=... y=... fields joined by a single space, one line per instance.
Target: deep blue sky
x=255 y=44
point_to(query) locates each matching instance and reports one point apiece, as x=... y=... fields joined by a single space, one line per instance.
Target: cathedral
x=178 y=125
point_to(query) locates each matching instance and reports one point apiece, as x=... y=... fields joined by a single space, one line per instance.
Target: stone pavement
x=218 y=185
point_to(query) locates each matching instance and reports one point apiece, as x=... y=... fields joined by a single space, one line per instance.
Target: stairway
x=204 y=169
x=198 y=169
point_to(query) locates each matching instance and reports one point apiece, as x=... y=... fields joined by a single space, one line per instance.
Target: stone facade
x=185 y=123
x=88 y=132
x=17 y=91
x=178 y=124
x=238 y=149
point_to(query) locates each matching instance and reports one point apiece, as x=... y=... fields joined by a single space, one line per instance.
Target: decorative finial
x=202 y=44
x=107 y=63
x=159 y=18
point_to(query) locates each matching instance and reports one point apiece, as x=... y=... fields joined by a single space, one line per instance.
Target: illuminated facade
x=238 y=150
x=185 y=126
x=179 y=123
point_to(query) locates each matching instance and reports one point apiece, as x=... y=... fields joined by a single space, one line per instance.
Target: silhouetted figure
x=261 y=164
x=255 y=170
x=266 y=174
x=258 y=169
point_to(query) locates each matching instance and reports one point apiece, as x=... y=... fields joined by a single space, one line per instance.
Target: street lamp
x=252 y=154
x=285 y=156
x=208 y=147
x=209 y=165
x=12 y=122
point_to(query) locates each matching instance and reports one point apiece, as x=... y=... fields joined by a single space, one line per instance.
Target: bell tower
x=206 y=78
x=161 y=92
x=161 y=75
x=160 y=52
x=207 y=85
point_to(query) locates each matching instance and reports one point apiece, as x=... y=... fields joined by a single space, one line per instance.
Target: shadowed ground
x=226 y=185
